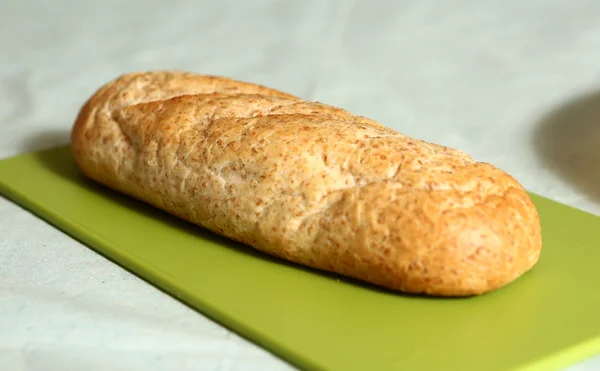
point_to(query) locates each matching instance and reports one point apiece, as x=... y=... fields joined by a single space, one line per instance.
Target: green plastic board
x=548 y=319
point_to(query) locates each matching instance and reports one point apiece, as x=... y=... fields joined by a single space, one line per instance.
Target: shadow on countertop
x=45 y=140
x=567 y=141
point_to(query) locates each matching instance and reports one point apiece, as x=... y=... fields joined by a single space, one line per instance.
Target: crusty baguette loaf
x=308 y=182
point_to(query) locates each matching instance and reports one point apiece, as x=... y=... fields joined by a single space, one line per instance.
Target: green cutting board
x=548 y=319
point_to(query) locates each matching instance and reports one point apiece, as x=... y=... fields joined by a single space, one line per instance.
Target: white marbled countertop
x=515 y=83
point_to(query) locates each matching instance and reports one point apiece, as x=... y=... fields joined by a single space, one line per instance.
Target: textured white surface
x=481 y=76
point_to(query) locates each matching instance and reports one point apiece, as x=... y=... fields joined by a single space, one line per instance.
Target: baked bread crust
x=308 y=182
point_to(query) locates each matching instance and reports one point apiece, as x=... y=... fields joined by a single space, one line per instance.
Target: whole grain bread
x=308 y=182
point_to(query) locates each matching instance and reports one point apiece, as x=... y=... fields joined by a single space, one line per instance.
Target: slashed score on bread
x=309 y=182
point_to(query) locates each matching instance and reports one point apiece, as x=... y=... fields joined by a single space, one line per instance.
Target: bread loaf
x=308 y=182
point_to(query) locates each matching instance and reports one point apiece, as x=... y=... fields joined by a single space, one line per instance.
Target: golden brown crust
x=309 y=182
